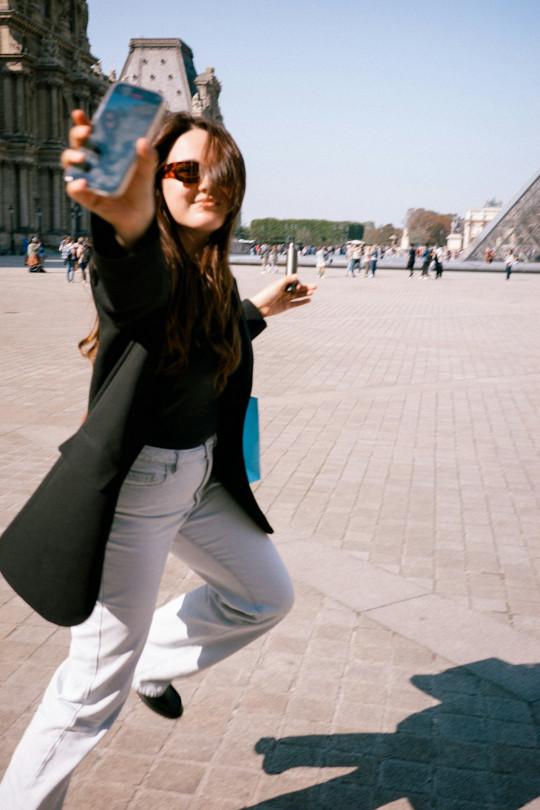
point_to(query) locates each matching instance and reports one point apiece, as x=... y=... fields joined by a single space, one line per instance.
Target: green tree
x=241 y=232
x=303 y=231
x=428 y=227
x=382 y=235
x=355 y=231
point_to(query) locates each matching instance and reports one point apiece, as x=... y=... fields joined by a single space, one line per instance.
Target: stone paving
x=400 y=455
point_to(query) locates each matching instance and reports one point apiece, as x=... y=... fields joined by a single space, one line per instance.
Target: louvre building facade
x=46 y=70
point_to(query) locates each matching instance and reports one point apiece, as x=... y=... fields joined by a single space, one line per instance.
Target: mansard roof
x=164 y=65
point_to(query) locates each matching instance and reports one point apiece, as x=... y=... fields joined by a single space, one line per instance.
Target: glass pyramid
x=517 y=228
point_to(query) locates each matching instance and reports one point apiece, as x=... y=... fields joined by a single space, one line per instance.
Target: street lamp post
x=11 y=212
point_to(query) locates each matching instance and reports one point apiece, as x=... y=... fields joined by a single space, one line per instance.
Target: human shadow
x=477 y=750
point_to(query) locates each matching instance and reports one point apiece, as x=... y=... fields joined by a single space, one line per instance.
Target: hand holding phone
x=130 y=208
x=125 y=114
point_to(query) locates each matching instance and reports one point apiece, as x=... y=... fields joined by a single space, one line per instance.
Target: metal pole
x=292 y=264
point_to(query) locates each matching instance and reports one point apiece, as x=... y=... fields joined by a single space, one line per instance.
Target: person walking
x=373 y=256
x=273 y=260
x=509 y=263
x=84 y=254
x=354 y=254
x=410 y=260
x=426 y=261
x=320 y=262
x=68 y=248
x=171 y=324
x=265 y=257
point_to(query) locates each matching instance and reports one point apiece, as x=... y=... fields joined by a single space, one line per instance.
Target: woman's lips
x=207 y=203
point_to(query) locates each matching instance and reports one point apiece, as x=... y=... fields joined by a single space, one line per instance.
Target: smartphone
x=125 y=113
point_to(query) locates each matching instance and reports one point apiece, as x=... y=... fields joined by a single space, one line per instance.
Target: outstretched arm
x=275 y=299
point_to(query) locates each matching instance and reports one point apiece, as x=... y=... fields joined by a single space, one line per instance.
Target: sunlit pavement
x=400 y=456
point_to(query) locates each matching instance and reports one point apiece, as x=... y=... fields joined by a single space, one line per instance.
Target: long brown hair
x=203 y=302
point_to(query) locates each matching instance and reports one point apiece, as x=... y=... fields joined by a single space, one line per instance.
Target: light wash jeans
x=168 y=502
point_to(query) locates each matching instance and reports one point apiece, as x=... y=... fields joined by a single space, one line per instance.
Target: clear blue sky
x=359 y=110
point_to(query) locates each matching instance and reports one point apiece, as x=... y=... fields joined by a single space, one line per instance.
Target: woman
x=509 y=263
x=161 y=280
x=84 y=254
x=33 y=260
x=320 y=262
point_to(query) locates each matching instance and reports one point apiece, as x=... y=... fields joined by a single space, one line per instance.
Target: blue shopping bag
x=251 y=443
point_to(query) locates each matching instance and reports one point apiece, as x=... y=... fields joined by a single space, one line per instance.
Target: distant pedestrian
x=426 y=261
x=272 y=261
x=437 y=261
x=373 y=260
x=410 y=262
x=265 y=256
x=84 y=254
x=33 y=260
x=67 y=249
x=320 y=261
x=353 y=255
x=509 y=263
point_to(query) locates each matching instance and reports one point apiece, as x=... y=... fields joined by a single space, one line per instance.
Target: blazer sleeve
x=128 y=288
x=254 y=320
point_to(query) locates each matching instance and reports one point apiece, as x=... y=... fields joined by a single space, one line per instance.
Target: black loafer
x=169 y=704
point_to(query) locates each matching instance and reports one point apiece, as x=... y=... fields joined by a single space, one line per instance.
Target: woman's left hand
x=275 y=298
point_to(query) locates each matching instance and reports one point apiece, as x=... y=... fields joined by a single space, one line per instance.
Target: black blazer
x=52 y=552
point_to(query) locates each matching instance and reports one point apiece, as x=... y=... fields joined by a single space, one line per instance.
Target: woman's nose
x=204 y=183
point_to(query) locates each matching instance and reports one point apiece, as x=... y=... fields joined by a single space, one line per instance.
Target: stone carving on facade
x=79 y=64
x=457 y=225
x=206 y=99
x=50 y=46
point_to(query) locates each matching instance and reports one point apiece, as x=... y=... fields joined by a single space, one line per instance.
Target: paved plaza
x=401 y=472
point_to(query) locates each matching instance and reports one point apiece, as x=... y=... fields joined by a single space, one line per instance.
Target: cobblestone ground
x=401 y=465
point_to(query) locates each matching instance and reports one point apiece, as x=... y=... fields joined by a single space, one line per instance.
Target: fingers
x=147 y=158
x=69 y=157
x=79 y=117
x=82 y=129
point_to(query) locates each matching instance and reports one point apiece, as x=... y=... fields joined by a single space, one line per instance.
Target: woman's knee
x=281 y=600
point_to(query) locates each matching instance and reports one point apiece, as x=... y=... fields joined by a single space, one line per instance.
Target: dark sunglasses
x=186 y=171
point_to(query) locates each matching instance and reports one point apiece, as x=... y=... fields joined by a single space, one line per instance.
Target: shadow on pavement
x=477 y=750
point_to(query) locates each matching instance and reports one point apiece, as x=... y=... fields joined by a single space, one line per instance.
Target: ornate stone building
x=46 y=70
x=466 y=230
x=166 y=66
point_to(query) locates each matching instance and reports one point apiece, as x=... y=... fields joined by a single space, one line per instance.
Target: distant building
x=166 y=66
x=46 y=69
x=465 y=230
x=476 y=220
